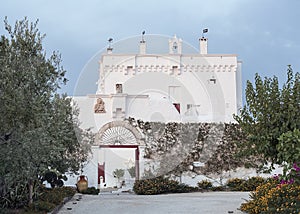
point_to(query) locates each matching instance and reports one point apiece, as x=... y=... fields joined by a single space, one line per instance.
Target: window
x=175 y=69
x=189 y=106
x=213 y=80
x=175 y=47
x=119 y=88
x=129 y=68
x=118 y=112
x=177 y=106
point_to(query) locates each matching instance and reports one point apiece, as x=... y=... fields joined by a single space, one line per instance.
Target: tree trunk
x=30 y=187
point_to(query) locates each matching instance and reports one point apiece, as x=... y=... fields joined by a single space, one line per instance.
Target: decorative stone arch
x=112 y=131
x=139 y=140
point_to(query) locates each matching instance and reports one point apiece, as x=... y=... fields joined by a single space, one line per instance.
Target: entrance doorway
x=117 y=157
x=120 y=143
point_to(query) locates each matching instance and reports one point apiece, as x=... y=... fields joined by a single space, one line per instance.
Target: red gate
x=101 y=172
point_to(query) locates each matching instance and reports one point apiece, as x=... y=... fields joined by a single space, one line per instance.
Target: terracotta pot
x=82 y=183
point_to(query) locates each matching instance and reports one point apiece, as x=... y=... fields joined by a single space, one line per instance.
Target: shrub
x=160 y=185
x=182 y=188
x=272 y=197
x=91 y=191
x=52 y=196
x=238 y=184
x=68 y=191
x=153 y=186
x=46 y=200
x=252 y=183
x=204 y=184
x=15 y=196
x=41 y=206
x=57 y=195
x=53 y=179
x=218 y=188
x=235 y=184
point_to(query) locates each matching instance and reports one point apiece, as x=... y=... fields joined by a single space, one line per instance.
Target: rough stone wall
x=200 y=148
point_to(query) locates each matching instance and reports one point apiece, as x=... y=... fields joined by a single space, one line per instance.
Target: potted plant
x=119 y=173
x=131 y=171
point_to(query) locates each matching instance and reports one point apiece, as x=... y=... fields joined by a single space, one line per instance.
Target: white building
x=179 y=87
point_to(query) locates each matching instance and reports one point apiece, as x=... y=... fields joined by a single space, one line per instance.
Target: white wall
x=188 y=83
x=210 y=84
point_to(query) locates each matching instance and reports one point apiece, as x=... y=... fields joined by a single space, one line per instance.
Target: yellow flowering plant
x=275 y=196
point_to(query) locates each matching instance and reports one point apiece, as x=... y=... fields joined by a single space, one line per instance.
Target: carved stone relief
x=99 y=106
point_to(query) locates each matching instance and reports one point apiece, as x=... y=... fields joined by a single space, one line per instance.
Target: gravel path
x=207 y=202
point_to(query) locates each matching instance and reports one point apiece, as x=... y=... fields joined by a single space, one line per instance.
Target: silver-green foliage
x=118 y=173
x=39 y=128
x=131 y=171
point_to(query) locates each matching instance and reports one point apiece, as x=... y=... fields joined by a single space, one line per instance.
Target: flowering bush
x=271 y=198
x=281 y=194
x=293 y=176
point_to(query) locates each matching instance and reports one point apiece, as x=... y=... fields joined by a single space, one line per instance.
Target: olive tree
x=39 y=128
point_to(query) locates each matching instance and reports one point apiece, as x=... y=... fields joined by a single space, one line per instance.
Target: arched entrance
x=117 y=136
x=113 y=129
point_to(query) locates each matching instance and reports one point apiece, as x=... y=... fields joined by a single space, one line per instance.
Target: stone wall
x=193 y=149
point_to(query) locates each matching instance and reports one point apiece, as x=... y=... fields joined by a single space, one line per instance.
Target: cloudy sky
x=265 y=34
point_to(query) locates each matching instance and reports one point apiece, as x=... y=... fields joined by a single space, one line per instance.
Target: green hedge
x=160 y=185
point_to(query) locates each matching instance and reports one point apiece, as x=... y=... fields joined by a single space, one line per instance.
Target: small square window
x=213 y=80
x=119 y=88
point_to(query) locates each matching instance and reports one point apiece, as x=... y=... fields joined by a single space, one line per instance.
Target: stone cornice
x=117 y=95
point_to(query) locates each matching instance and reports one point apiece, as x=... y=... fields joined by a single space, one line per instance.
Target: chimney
x=203 y=45
x=143 y=47
x=109 y=50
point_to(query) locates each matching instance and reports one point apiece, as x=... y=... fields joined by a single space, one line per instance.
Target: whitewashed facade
x=170 y=87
